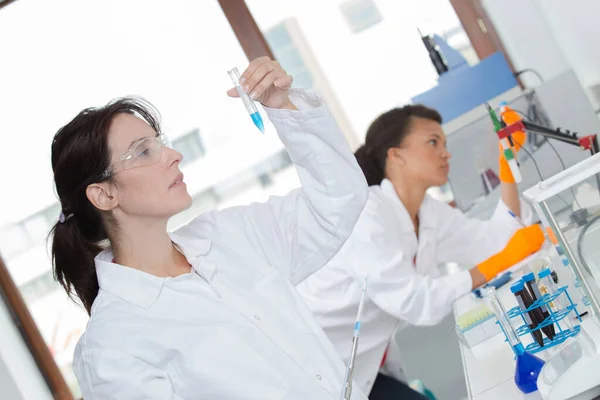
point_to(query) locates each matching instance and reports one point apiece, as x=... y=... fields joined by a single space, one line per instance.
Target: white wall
x=575 y=27
x=528 y=39
x=550 y=36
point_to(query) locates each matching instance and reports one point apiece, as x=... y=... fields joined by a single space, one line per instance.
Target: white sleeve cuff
x=309 y=105
x=464 y=283
x=502 y=214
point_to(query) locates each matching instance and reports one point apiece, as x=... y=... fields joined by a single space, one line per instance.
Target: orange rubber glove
x=509 y=116
x=523 y=243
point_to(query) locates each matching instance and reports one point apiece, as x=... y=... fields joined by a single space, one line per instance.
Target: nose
x=446 y=154
x=173 y=157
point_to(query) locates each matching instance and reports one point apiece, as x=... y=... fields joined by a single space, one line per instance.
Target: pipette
x=347 y=389
x=248 y=103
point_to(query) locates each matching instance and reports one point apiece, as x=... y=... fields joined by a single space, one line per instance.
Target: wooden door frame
x=32 y=336
x=469 y=12
x=5 y=3
x=246 y=29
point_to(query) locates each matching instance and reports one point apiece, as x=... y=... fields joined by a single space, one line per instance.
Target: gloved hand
x=523 y=243
x=505 y=174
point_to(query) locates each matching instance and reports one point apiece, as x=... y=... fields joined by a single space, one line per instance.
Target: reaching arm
x=314 y=221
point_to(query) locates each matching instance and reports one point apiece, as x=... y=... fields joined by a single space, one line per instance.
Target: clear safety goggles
x=142 y=153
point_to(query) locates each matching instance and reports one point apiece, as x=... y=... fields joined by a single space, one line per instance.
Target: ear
x=394 y=156
x=102 y=196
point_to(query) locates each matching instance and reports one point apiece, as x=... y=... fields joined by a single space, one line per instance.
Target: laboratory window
x=287 y=52
x=190 y=145
x=360 y=14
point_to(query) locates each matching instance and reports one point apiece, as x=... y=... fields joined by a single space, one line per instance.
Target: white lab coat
x=382 y=248
x=234 y=328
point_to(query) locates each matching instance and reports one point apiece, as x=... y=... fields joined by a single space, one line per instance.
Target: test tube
x=509 y=154
x=491 y=298
x=541 y=312
x=248 y=103
x=525 y=300
x=528 y=366
x=547 y=286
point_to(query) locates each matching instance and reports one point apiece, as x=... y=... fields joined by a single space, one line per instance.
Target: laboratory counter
x=489 y=367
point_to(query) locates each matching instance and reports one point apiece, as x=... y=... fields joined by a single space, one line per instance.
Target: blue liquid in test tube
x=248 y=103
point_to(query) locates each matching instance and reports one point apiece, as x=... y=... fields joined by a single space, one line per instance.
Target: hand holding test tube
x=263 y=81
x=509 y=167
x=248 y=103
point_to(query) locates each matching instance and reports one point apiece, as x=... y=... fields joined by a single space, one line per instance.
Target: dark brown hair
x=387 y=131
x=80 y=157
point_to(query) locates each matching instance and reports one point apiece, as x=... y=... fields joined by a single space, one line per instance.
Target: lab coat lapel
x=411 y=244
x=426 y=258
x=422 y=247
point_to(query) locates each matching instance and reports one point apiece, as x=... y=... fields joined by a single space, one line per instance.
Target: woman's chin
x=440 y=181
x=182 y=203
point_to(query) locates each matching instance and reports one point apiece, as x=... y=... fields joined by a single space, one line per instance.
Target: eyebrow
x=136 y=141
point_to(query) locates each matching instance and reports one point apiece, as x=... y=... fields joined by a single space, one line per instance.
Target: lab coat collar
x=191 y=248
x=194 y=249
x=426 y=218
x=129 y=284
x=140 y=288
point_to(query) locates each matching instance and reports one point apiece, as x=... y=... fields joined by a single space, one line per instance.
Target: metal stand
x=589 y=142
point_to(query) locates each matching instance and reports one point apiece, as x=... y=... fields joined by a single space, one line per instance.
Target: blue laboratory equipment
x=454 y=59
x=528 y=366
x=547 y=286
x=461 y=90
x=248 y=103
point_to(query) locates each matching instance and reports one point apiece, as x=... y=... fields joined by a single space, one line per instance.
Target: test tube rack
x=562 y=333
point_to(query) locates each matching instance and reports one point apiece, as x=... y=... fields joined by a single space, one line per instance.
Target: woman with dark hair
x=209 y=311
x=403 y=235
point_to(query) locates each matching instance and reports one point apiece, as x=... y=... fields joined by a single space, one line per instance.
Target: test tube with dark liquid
x=541 y=312
x=525 y=300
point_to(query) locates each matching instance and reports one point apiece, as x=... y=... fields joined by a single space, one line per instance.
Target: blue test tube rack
x=562 y=333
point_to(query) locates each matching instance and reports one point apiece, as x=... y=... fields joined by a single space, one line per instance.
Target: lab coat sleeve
x=470 y=241
x=312 y=222
x=375 y=251
x=108 y=374
x=501 y=214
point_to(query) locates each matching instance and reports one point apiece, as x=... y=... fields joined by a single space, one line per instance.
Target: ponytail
x=385 y=132
x=73 y=262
